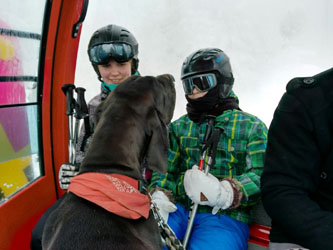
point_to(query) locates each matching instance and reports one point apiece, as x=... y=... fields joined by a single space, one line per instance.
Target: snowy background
x=269 y=42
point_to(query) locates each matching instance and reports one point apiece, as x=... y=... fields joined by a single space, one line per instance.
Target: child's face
x=197 y=94
x=115 y=72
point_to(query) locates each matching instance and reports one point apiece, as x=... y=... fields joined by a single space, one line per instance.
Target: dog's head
x=132 y=123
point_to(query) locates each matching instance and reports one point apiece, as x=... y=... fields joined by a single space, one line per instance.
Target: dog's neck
x=115 y=150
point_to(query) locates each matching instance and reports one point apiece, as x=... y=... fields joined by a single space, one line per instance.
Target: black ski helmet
x=114 y=34
x=210 y=60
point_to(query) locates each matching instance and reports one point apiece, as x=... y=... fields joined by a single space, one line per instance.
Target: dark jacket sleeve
x=290 y=179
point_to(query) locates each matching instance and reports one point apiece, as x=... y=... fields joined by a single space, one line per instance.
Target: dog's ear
x=157 y=153
x=165 y=97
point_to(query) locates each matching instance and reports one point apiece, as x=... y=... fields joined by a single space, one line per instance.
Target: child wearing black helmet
x=113 y=53
x=225 y=195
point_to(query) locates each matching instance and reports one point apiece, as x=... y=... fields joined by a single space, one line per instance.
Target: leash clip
x=142 y=187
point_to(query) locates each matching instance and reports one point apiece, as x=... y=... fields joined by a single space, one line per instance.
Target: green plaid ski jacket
x=240 y=155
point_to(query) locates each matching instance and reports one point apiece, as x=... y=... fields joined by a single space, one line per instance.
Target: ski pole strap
x=213 y=144
x=87 y=126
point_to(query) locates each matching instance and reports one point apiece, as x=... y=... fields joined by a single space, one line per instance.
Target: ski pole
x=81 y=112
x=212 y=142
x=70 y=104
x=84 y=109
x=208 y=134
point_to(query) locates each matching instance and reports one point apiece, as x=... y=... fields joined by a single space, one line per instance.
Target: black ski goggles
x=103 y=53
x=202 y=83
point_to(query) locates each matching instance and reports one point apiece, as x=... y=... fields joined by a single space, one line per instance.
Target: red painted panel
x=20 y=213
x=64 y=65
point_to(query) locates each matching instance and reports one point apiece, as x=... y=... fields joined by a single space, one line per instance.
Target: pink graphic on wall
x=13 y=120
x=10 y=65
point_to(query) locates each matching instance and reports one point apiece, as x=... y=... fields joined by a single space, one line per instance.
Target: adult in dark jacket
x=297 y=182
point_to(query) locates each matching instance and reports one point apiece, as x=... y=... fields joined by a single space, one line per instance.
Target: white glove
x=208 y=190
x=163 y=203
x=66 y=172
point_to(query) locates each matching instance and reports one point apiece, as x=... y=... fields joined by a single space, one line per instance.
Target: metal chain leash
x=171 y=240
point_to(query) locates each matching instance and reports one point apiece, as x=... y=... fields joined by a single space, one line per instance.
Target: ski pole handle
x=210 y=125
x=213 y=148
x=70 y=102
x=81 y=109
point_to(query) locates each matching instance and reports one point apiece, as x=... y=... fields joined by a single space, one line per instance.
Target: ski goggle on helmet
x=102 y=53
x=203 y=82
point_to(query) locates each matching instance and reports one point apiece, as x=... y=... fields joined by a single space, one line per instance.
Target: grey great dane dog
x=131 y=126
